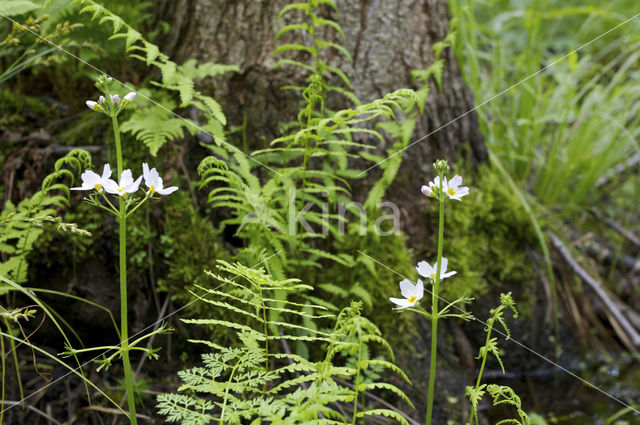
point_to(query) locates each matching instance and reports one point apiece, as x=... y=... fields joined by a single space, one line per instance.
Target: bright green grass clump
x=568 y=113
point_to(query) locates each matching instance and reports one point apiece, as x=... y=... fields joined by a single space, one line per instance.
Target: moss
x=190 y=244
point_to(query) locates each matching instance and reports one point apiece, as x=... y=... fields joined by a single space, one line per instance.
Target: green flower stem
x=484 y=361
x=139 y=205
x=2 y=362
x=116 y=132
x=103 y=348
x=356 y=386
x=434 y=306
x=124 y=329
x=418 y=309
x=114 y=210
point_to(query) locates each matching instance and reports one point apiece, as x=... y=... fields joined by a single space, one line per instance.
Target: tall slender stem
x=116 y=133
x=124 y=328
x=434 y=307
x=357 y=386
x=2 y=361
x=484 y=361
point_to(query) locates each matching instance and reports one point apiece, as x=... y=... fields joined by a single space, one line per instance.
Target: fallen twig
x=625 y=325
x=624 y=232
x=34 y=409
x=114 y=411
x=631 y=162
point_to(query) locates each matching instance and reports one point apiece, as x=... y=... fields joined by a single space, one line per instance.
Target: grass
x=567 y=109
x=560 y=130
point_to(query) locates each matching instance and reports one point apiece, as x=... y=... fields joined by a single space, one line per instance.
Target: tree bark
x=386 y=39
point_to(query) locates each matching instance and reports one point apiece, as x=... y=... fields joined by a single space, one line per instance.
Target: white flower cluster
x=153 y=181
x=101 y=105
x=451 y=188
x=414 y=293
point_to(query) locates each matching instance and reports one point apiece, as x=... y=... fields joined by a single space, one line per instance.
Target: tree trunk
x=386 y=39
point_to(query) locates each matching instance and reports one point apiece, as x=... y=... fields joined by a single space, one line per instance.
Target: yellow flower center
x=412 y=299
x=451 y=192
x=432 y=276
x=98 y=187
x=152 y=189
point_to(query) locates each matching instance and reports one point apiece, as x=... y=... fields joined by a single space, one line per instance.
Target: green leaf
x=17 y=7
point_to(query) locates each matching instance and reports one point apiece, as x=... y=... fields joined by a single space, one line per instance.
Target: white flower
x=91 y=180
x=433 y=187
x=93 y=105
x=130 y=96
x=426 y=270
x=453 y=189
x=154 y=181
x=127 y=185
x=115 y=98
x=411 y=293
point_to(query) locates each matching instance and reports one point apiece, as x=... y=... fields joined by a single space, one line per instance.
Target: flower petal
x=399 y=301
x=406 y=288
x=111 y=186
x=424 y=269
x=455 y=181
x=167 y=190
x=106 y=171
x=419 y=290
x=133 y=187
x=126 y=178
x=443 y=267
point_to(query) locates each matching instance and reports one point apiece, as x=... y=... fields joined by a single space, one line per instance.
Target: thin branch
x=597 y=288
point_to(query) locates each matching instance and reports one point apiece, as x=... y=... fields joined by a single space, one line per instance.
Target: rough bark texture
x=387 y=39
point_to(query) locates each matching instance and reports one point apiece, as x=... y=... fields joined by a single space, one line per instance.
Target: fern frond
x=386 y=413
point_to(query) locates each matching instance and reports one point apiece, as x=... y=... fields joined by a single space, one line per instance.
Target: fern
x=252 y=381
x=156 y=126
x=21 y=225
x=320 y=70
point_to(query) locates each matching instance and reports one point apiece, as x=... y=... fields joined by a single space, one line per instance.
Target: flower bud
x=115 y=99
x=440 y=166
x=93 y=105
x=130 y=96
x=101 y=99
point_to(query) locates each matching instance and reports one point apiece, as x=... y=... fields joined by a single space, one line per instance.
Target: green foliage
x=272 y=213
x=320 y=69
x=253 y=381
x=18 y=7
x=299 y=210
x=22 y=48
x=557 y=132
x=154 y=126
x=21 y=225
x=500 y=394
